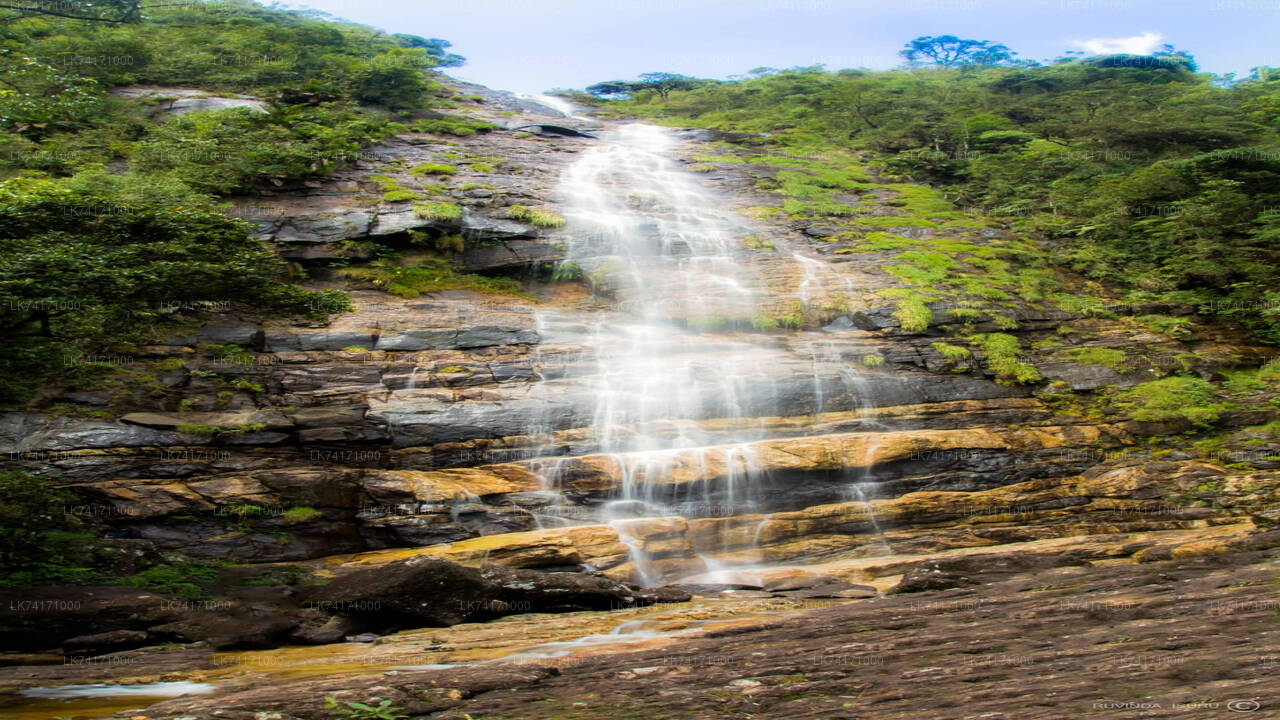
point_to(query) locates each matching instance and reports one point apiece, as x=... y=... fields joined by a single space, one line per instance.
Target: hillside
x=336 y=380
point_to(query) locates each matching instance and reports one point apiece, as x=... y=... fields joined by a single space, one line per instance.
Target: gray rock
x=105 y=642
x=325 y=228
x=336 y=340
x=183 y=106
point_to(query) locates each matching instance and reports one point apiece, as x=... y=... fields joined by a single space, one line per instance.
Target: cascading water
x=674 y=261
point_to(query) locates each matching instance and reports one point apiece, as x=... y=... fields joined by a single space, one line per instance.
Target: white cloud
x=1143 y=44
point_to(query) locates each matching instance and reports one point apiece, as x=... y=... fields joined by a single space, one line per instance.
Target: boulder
x=419 y=591
x=534 y=591
x=37 y=618
x=106 y=642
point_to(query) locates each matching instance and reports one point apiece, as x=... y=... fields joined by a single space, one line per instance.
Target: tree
x=438 y=49
x=95 y=258
x=950 y=51
x=664 y=82
x=660 y=82
x=610 y=89
x=111 y=11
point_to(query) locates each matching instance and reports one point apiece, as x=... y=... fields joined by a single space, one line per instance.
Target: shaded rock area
x=414 y=592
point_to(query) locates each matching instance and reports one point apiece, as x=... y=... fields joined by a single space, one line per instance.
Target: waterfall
x=676 y=351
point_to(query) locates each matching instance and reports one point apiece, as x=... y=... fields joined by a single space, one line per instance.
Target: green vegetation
x=410 y=278
x=384 y=710
x=1003 y=357
x=912 y=314
x=1173 y=398
x=536 y=217
x=30 y=510
x=189 y=580
x=1145 y=176
x=95 y=260
x=217 y=433
x=441 y=212
x=302 y=514
x=1113 y=358
x=957 y=355
x=432 y=169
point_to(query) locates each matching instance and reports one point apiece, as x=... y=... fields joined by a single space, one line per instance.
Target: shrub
x=30 y=508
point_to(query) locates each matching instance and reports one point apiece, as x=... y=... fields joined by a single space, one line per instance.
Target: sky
x=535 y=45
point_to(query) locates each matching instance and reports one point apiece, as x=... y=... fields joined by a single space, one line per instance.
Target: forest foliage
x=1160 y=182
x=110 y=225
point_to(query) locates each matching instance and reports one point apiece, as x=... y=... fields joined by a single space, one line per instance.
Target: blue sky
x=534 y=45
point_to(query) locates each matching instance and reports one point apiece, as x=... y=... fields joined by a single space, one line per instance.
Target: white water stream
x=674 y=259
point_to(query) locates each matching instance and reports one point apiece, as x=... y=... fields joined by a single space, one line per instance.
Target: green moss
x=1113 y=358
x=301 y=514
x=913 y=315
x=440 y=212
x=396 y=196
x=873 y=360
x=954 y=353
x=247 y=385
x=216 y=432
x=411 y=278
x=1003 y=353
x=1173 y=398
x=1173 y=327
x=535 y=216
x=432 y=169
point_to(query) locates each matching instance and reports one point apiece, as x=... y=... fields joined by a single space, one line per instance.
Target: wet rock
x=661 y=594
x=557 y=592
x=877 y=319
x=923 y=579
x=235 y=627
x=107 y=642
x=420 y=591
x=320 y=629
x=37 y=618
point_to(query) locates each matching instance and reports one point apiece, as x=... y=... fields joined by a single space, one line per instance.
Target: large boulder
x=419 y=591
x=38 y=618
x=535 y=591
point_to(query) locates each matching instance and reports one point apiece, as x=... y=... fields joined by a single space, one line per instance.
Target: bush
x=30 y=509
x=95 y=260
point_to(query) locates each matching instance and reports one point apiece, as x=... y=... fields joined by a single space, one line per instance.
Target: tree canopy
x=1136 y=172
x=949 y=51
